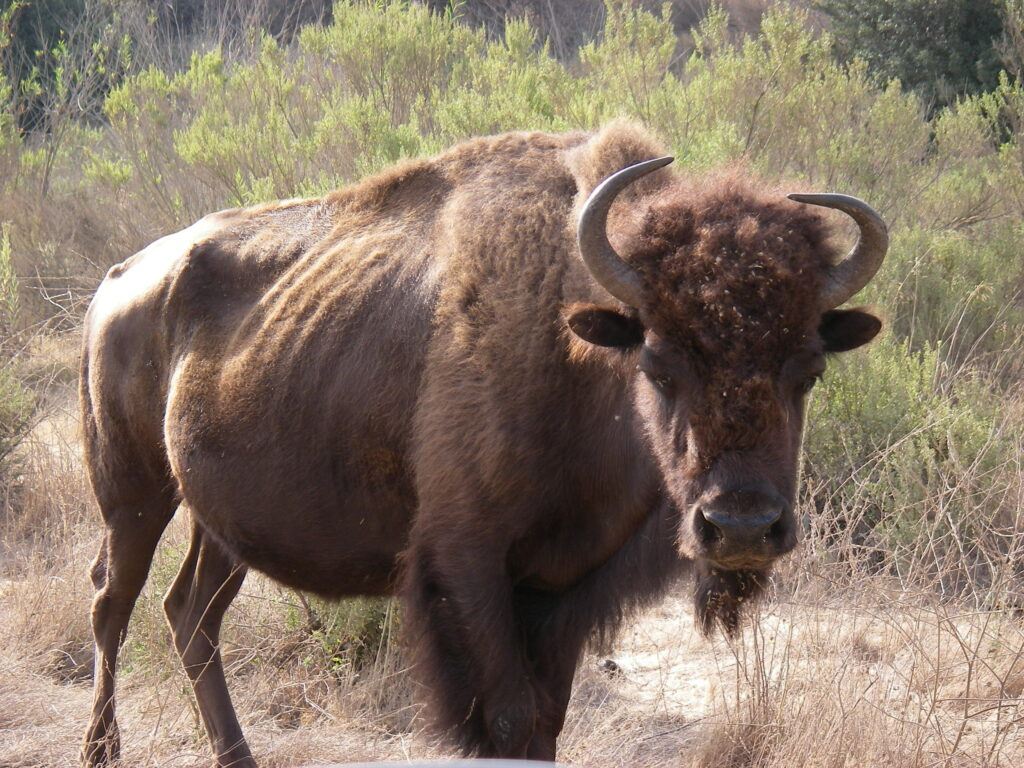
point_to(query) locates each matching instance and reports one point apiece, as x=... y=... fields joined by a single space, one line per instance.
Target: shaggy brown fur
x=383 y=392
x=720 y=596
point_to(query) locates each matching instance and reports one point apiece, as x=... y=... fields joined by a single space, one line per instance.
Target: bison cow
x=520 y=385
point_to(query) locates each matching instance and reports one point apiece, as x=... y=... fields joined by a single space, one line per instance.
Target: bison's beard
x=720 y=596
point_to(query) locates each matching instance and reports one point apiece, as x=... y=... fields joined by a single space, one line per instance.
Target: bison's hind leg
x=118 y=573
x=208 y=581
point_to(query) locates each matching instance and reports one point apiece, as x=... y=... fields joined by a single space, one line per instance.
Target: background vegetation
x=121 y=122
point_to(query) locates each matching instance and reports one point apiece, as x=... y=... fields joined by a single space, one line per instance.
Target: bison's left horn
x=856 y=270
x=611 y=272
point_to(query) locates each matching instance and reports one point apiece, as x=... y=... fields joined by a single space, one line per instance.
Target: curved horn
x=611 y=272
x=860 y=265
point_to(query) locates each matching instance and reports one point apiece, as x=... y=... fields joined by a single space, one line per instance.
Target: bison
x=520 y=385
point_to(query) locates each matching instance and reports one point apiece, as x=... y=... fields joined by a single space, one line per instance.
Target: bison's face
x=727 y=437
x=729 y=313
x=726 y=432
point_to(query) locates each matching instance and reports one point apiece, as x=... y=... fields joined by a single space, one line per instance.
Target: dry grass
x=885 y=682
x=833 y=671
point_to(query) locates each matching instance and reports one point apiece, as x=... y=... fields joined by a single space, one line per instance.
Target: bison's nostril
x=709 y=532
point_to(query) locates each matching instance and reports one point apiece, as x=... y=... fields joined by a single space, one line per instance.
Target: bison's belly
x=296 y=468
x=303 y=517
x=305 y=540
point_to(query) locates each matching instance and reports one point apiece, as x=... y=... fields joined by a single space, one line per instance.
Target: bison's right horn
x=855 y=271
x=611 y=272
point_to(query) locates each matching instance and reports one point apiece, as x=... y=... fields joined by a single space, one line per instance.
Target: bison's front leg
x=559 y=626
x=554 y=652
x=469 y=651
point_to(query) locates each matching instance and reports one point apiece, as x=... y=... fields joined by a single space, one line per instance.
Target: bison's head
x=731 y=309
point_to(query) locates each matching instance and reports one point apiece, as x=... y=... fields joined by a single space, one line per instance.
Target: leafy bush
x=909 y=472
x=10 y=300
x=940 y=48
x=347 y=635
x=16 y=402
x=16 y=408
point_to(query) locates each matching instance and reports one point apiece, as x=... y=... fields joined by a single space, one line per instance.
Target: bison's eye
x=660 y=381
x=807 y=384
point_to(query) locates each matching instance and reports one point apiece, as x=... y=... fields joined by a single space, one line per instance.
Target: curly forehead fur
x=733 y=271
x=732 y=267
x=733 y=274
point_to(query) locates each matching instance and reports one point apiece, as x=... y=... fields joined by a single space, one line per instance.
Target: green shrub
x=17 y=405
x=10 y=301
x=907 y=463
x=345 y=635
x=941 y=48
x=16 y=401
x=510 y=84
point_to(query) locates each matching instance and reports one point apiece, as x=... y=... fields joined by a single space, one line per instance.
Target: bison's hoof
x=511 y=728
x=101 y=748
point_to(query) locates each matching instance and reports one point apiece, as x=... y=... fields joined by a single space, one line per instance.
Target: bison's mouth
x=732 y=570
x=757 y=555
x=721 y=595
x=741 y=562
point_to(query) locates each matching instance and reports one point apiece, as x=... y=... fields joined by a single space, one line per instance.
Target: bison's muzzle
x=746 y=528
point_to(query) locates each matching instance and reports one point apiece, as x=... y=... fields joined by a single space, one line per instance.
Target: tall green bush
x=940 y=48
x=16 y=402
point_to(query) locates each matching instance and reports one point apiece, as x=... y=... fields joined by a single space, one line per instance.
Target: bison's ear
x=846 y=329
x=604 y=327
